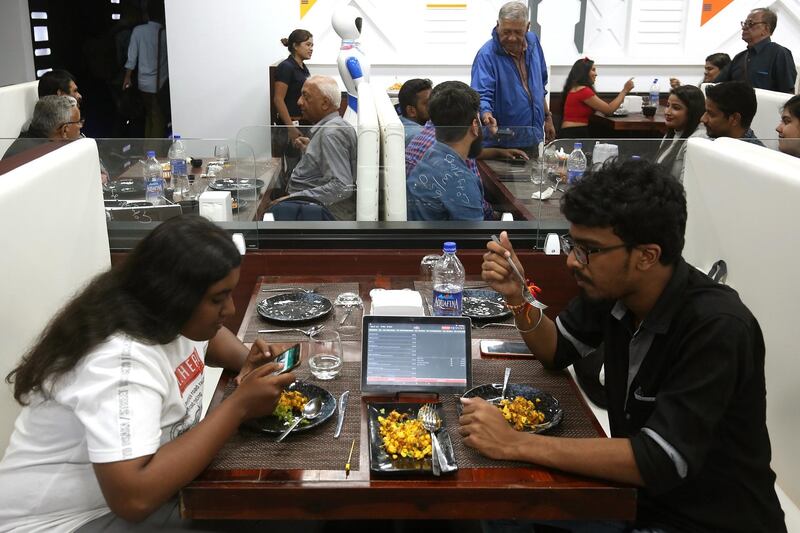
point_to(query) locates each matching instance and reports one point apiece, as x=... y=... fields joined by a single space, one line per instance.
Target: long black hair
x=578 y=75
x=150 y=297
x=695 y=103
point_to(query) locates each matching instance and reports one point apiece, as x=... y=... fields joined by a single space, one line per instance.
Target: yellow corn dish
x=404 y=437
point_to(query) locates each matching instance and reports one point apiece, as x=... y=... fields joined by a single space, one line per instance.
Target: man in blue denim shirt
x=441 y=186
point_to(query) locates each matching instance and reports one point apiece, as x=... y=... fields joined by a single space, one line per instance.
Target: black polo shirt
x=293 y=75
x=687 y=388
x=765 y=65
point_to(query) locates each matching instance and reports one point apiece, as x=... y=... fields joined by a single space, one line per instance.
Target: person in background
x=59 y=83
x=147 y=52
x=789 y=127
x=112 y=390
x=685 y=107
x=581 y=101
x=413 y=103
x=326 y=171
x=764 y=64
x=714 y=64
x=730 y=108
x=684 y=364
x=290 y=75
x=510 y=74
x=55 y=119
x=441 y=186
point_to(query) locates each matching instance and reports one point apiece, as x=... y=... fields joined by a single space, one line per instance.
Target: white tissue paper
x=403 y=302
x=216 y=206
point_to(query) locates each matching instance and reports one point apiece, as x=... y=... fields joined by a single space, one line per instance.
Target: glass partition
x=398 y=196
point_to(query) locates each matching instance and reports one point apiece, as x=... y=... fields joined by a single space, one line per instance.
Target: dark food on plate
x=403 y=436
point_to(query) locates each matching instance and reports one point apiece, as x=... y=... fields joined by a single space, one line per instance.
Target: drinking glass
x=347 y=312
x=222 y=153
x=426 y=266
x=325 y=354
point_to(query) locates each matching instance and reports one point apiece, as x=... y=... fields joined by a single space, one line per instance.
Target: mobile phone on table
x=505 y=349
x=288 y=359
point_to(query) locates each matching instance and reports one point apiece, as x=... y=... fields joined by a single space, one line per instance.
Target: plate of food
x=235 y=184
x=526 y=407
x=483 y=304
x=398 y=443
x=291 y=405
x=620 y=112
x=293 y=307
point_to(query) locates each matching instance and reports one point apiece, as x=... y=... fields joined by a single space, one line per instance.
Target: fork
x=424 y=416
x=492 y=324
x=290 y=289
x=307 y=332
x=527 y=295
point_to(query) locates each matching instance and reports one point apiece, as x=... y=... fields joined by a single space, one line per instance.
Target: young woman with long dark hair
x=685 y=107
x=110 y=428
x=789 y=127
x=581 y=100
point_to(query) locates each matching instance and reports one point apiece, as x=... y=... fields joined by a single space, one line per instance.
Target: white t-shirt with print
x=123 y=400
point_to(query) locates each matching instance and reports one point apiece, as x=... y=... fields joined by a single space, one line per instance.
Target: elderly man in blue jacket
x=509 y=73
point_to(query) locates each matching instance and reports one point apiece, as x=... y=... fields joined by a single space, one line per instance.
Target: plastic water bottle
x=448 y=283
x=154 y=183
x=576 y=164
x=177 y=162
x=654 y=92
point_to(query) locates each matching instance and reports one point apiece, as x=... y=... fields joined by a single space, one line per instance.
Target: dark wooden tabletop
x=470 y=493
x=633 y=122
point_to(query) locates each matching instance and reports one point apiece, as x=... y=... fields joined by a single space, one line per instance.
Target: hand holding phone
x=288 y=359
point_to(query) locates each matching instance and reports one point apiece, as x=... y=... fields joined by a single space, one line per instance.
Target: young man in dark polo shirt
x=684 y=364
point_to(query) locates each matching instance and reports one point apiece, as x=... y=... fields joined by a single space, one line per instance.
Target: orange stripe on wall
x=711 y=8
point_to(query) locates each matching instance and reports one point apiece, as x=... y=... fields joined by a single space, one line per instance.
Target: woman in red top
x=580 y=100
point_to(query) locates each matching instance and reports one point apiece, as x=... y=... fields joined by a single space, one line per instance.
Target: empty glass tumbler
x=348 y=309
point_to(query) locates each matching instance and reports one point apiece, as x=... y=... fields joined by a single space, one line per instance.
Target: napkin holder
x=632 y=103
x=216 y=206
x=404 y=302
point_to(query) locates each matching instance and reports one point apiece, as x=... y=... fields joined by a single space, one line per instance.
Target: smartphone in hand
x=288 y=359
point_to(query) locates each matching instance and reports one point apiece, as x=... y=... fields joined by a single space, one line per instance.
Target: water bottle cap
x=449 y=247
x=151 y=153
x=176 y=137
x=578 y=146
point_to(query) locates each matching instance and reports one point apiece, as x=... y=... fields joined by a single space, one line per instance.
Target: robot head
x=346 y=23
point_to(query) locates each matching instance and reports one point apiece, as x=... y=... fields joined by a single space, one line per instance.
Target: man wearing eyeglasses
x=764 y=64
x=684 y=364
x=55 y=118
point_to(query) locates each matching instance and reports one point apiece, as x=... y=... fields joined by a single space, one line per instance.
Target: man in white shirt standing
x=147 y=52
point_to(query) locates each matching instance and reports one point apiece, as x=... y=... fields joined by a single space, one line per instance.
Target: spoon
x=526 y=292
x=505 y=382
x=311 y=410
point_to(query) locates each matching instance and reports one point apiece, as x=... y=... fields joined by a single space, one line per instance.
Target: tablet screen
x=416 y=354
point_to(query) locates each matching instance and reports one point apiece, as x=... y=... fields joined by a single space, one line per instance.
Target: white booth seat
x=16 y=110
x=368 y=158
x=742 y=202
x=54 y=241
x=393 y=158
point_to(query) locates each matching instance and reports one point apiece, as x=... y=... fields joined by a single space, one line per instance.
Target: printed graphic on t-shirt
x=190 y=381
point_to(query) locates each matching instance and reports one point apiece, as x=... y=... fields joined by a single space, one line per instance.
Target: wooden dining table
x=304 y=490
x=632 y=125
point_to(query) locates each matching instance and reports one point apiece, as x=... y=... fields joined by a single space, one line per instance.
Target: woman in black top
x=289 y=78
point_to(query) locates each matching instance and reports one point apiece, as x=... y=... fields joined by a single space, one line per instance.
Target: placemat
x=328 y=290
x=315 y=449
x=425 y=288
x=576 y=422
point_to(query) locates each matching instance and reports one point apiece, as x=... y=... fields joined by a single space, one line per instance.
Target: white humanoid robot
x=353 y=65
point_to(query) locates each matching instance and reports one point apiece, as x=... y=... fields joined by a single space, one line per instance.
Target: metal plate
x=124 y=188
x=483 y=304
x=235 y=184
x=294 y=307
x=553 y=413
x=275 y=426
x=379 y=458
